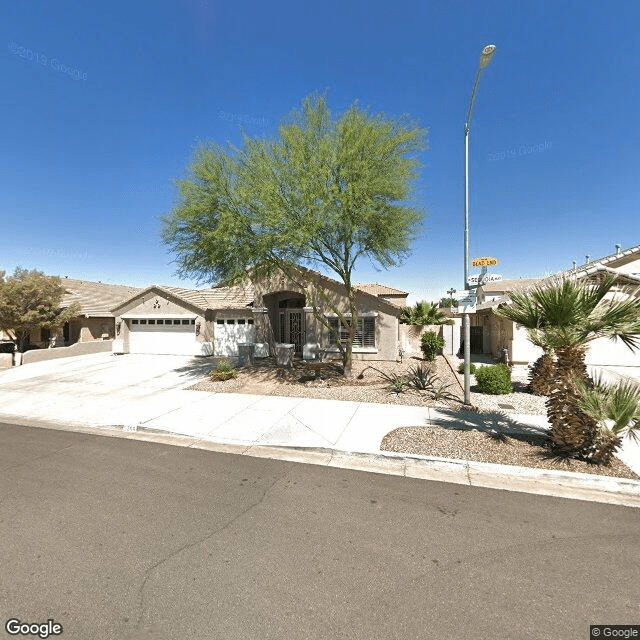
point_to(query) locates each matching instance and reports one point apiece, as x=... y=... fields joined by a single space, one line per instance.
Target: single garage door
x=171 y=336
x=229 y=332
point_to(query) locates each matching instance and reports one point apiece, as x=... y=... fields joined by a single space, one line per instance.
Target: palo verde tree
x=30 y=300
x=323 y=193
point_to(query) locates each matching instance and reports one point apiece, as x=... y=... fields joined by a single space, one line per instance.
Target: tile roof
x=216 y=298
x=614 y=257
x=377 y=289
x=95 y=298
x=496 y=286
x=526 y=283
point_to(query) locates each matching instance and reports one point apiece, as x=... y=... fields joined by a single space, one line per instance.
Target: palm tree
x=524 y=311
x=616 y=410
x=423 y=313
x=564 y=316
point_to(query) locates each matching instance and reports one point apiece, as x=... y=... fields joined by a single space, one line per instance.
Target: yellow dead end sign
x=484 y=262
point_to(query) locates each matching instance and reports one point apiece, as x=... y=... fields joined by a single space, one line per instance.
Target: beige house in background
x=490 y=333
x=95 y=320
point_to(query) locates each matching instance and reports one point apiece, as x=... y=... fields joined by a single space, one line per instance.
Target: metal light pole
x=485 y=59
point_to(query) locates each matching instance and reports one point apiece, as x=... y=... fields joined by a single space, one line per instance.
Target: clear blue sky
x=102 y=104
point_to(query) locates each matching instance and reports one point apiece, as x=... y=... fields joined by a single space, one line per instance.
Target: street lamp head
x=486 y=55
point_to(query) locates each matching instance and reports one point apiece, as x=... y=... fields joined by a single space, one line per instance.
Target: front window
x=365 y=332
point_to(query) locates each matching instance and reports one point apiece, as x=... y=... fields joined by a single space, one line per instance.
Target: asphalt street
x=122 y=539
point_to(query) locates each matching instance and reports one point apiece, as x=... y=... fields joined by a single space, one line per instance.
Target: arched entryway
x=291 y=326
x=287 y=317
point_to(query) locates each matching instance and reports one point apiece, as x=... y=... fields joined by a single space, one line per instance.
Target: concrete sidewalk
x=141 y=400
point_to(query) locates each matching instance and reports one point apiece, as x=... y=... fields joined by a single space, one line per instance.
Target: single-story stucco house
x=172 y=320
x=490 y=333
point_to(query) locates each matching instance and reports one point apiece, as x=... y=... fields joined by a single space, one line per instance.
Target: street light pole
x=485 y=59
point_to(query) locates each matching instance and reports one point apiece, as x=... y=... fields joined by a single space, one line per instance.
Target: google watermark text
x=520 y=150
x=46 y=61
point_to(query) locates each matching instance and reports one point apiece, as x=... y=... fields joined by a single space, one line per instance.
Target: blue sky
x=102 y=104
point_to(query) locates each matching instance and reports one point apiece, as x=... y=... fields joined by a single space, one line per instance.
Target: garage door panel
x=228 y=335
x=169 y=339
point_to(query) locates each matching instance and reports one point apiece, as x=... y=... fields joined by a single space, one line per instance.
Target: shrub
x=494 y=379
x=431 y=344
x=398 y=384
x=223 y=372
x=472 y=367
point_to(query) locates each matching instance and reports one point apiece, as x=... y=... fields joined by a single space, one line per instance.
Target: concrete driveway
x=97 y=389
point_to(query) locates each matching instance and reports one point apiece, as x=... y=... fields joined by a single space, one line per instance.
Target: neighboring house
x=95 y=320
x=396 y=296
x=174 y=320
x=490 y=333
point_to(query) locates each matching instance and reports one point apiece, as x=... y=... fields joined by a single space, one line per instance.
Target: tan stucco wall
x=148 y=305
x=411 y=336
x=94 y=328
x=270 y=290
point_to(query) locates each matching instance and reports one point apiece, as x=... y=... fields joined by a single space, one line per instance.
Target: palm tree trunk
x=542 y=375
x=573 y=432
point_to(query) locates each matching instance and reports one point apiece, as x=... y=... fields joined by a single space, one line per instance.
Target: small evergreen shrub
x=223 y=372
x=431 y=343
x=472 y=367
x=494 y=379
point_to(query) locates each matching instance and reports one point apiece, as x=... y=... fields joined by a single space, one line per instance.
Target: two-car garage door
x=171 y=336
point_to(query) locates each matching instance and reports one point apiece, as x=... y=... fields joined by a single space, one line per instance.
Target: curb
x=561 y=484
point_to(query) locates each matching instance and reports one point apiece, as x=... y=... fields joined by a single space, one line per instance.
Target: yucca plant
x=422 y=378
x=563 y=316
x=616 y=411
x=398 y=384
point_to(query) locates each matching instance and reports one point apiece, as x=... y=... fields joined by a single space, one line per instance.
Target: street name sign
x=482 y=279
x=484 y=262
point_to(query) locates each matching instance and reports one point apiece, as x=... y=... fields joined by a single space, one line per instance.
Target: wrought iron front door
x=296 y=329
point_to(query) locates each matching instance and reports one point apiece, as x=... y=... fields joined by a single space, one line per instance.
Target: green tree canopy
x=423 y=313
x=31 y=300
x=323 y=193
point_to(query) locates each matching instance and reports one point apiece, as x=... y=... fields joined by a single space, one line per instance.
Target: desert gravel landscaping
x=487 y=435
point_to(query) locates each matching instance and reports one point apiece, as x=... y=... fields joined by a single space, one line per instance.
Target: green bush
x=494 y=379
x=431 y=344
x=472 y=367
x=223 y=372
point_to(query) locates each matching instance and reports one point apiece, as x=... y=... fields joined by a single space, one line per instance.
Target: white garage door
x=229 y=332
x=172 y=336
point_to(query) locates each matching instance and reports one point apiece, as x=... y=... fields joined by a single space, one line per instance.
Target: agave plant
x=563 y=317
x=616 y=411
x=423 y=313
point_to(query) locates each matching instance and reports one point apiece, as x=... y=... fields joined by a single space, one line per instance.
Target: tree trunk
x=347 y=360
x=572 y=431
x=542 y=374
x=22 y=340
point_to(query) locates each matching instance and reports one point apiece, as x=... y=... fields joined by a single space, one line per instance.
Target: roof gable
x=393 y=309
x=94 y=298
x=376 y=289
x=199 y=299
